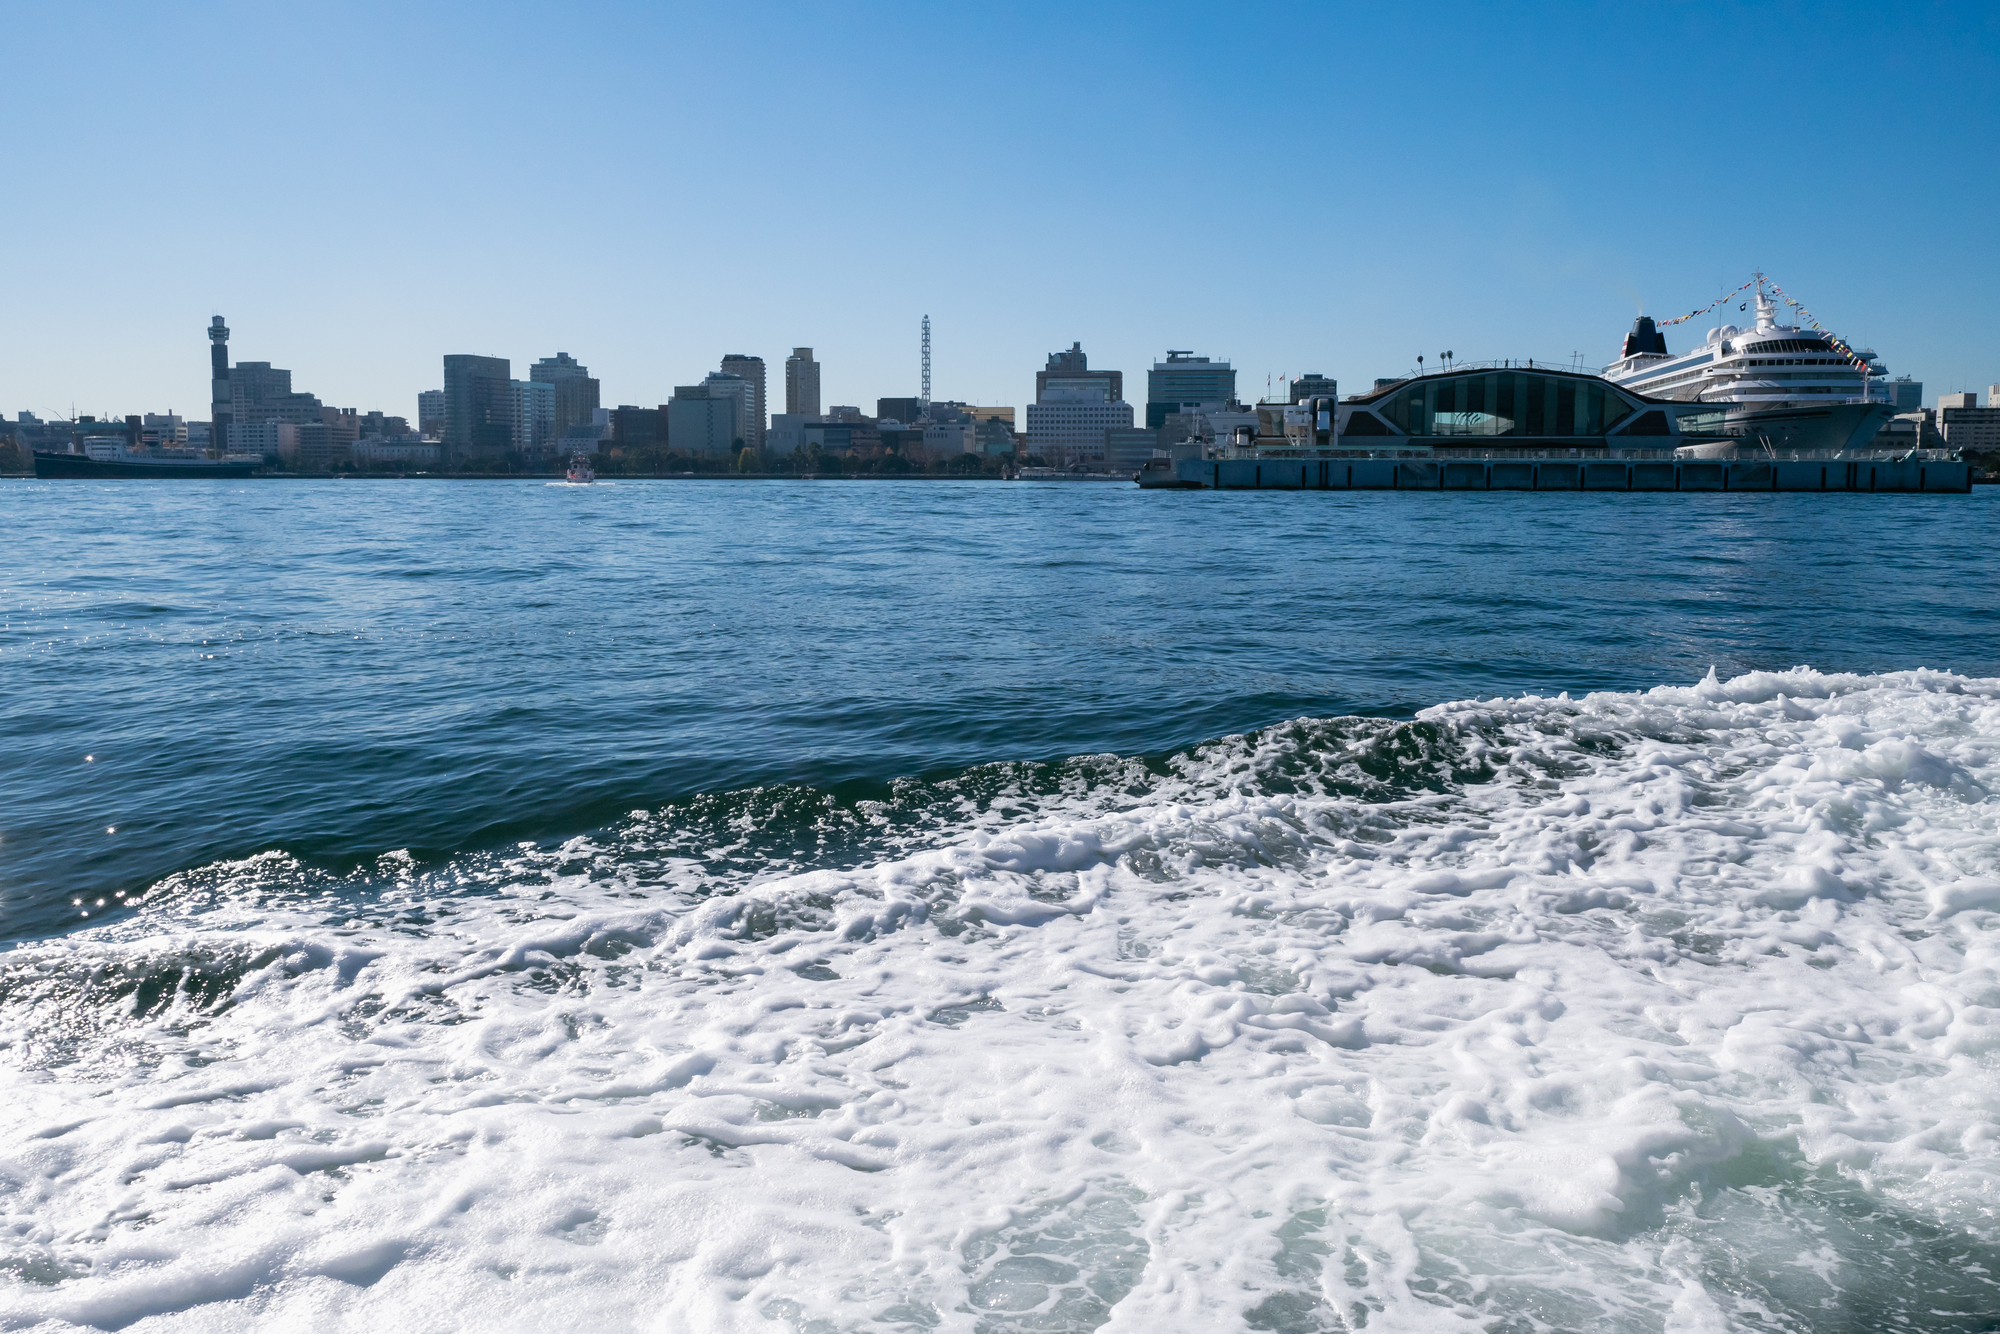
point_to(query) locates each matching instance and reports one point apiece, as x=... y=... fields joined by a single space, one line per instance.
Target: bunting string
x=1683 y=319
x=1839 y=345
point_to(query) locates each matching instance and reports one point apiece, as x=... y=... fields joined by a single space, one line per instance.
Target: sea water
x=979 y=907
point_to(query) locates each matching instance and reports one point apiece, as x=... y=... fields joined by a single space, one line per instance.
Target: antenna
x=927 y=361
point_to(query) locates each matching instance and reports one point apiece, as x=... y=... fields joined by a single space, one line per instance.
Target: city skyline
x=1550 y=174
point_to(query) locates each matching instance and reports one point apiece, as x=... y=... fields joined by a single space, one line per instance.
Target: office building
x=343 y=426
x=943 y=440
x=1993 y=395
x=1071 y=370
x=787 y=434
x=1905 y=394
x=534 y=416
x=857 y=436
x=735 y=387
x=168 y=431
x=1186 y=383
x=478 y=406
x=575 y=390
x=802 y=383
x=1074 y=406
x=430 y=413
x=1313 y=385
x=706 y=418
x=905 y=410
x=638 y=428
x=261 y=392
x=1964 y=425
x=270 y=439
x=751 y=371
x=315 y=449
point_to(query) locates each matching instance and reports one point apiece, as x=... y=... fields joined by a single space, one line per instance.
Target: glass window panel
x=1565 y=407
x=1532 y=387
x=1503 y=403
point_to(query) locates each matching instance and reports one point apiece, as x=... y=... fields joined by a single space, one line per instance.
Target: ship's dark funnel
x=1644 y=338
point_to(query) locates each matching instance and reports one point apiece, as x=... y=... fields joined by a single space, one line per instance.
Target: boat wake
x=1676 y=1010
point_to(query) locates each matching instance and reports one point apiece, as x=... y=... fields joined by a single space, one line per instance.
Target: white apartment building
x=534 y=416
x=1068 y=428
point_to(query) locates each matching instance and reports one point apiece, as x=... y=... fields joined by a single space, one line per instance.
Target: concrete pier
x=1576 y=474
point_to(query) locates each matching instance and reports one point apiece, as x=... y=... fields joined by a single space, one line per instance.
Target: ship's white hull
x=1814 y=426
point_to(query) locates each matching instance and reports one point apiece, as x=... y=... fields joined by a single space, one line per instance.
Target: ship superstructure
x=1780 y=386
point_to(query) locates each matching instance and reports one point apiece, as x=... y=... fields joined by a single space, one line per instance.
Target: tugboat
x=579 y=471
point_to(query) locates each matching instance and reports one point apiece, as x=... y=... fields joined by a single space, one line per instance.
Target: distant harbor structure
x=1508 y=426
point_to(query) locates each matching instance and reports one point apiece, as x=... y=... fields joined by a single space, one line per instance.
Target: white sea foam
x=1676 y=1011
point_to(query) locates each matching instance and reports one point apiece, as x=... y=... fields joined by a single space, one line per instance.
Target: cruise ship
x=1778 y=386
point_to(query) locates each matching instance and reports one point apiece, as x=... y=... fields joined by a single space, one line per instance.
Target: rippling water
x=997 y=907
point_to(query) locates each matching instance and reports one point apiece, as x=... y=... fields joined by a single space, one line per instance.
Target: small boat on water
x=579 y=470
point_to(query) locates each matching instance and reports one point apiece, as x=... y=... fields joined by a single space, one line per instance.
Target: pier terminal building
x=1521 y=426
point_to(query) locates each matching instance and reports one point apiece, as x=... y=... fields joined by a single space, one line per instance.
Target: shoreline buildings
x=1073 y=410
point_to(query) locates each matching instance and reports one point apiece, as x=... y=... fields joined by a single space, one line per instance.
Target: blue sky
x=363 y=187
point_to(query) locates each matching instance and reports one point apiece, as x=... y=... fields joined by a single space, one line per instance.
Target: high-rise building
x=1313 y=385
x=751 y=371
x=1073 y=409
x=261 y=392
x=1906 y=394
x=1071 y=370
x=219 y=403
x=1186 y=383
x=534 y=413
x=575 y=390
x=478 y=405
x=704 y=418
x=1993 y=395
x=802 y=383
x=430 y=413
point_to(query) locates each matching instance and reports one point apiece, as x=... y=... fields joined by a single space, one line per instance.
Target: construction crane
x=927 y=361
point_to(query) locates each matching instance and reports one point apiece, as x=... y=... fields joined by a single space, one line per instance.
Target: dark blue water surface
x=343 y=668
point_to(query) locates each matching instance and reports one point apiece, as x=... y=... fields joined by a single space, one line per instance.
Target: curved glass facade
x=1503 y=403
